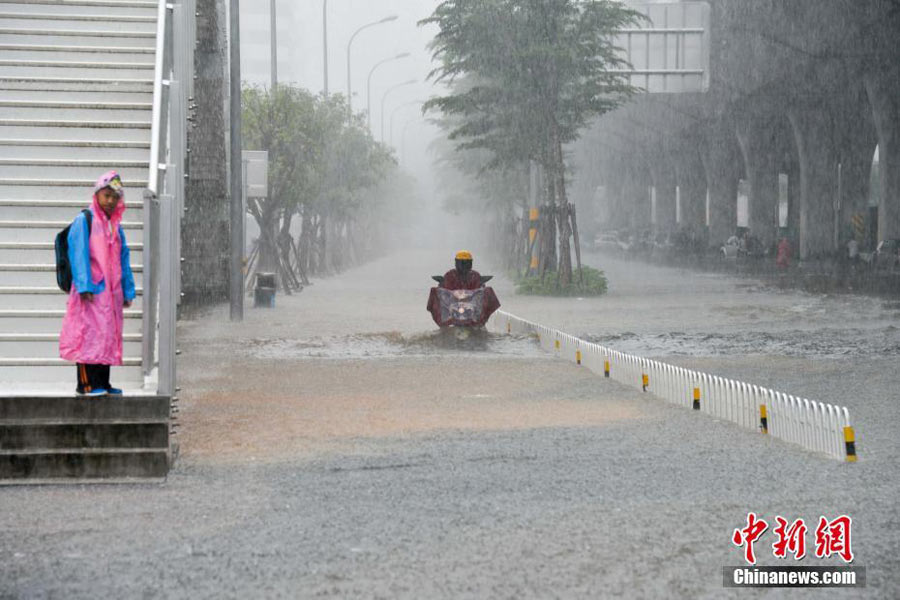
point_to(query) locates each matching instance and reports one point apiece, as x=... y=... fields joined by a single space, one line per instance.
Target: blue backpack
x=61 y=245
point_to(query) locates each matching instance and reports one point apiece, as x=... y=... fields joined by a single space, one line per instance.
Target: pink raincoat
x=92 y=329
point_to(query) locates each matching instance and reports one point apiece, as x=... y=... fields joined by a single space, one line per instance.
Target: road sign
x=669 y=52
x=257 y=173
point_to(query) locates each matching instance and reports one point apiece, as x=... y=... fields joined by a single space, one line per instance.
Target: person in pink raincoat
x=102 y=286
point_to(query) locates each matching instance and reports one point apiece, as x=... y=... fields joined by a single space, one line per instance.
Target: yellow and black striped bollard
x=850 y=443
x=763 y=419
x=696 y=398
x=606 y=368
x=578 y=357
x=645 y=381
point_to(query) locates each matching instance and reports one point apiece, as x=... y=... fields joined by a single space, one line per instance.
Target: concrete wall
x=802 y=87
x=205 y=224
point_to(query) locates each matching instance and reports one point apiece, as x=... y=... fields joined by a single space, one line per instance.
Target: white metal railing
x=161 y=81
x=813 y=425
x=164 y=197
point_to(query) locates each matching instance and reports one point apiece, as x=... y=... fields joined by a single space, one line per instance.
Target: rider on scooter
x=463 y=277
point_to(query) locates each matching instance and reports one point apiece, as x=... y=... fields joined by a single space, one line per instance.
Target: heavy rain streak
x=449 y=298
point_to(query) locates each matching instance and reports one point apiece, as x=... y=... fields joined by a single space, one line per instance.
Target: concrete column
x=639 y=193
x=618 y=209
x=757 y=140
x=884 y=95
x=691 y=180
x=721 y=162
x=813 y=132
x=662 y=173
x=855 y=147
x=792 y=168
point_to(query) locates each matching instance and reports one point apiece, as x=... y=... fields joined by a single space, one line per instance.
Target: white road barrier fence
x=813 y=425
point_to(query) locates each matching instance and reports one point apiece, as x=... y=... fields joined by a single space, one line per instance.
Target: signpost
x=669 y=52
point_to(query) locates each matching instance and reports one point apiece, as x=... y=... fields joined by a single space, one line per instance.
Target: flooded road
x=338 y=446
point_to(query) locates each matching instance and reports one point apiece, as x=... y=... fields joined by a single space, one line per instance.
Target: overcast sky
x=300 y=48
x=300 y=61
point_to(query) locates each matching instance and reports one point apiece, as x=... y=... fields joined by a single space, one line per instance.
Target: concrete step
x=43 y=129
x=58 y=52
x=80 y=6
x=47 y=344
x=43 y=253
x=79 y=190
x=60 y=376
x=99 y=84
x=82 y=70
x=48 y=361
x=66 y=206
x=23 y=435
x=54 y=214
x=130 y=4
x=51 y=314
x=71 y=111
x=77 y=409
x=83 y=19
x=37 y=95
x=57 y=209
x=37 y=236
x=83 y=463
x=34 y=169
x=38 y=297
x=45 y=231
x=48 y=321
x=122 y=39
x=44 y=275
x=48 y=150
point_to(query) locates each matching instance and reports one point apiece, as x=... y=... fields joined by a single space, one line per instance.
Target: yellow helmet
x=463 y=255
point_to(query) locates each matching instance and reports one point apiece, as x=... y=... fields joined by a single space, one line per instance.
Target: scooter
x=463 y=310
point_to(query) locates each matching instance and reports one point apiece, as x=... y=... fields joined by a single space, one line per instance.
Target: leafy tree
x=320 y=167
x=525 y=78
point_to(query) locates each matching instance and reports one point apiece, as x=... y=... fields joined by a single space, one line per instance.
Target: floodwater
x=338 y=445
x=480 y=344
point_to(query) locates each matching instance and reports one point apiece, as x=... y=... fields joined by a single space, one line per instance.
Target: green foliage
x=523 y=72
x=594 y=285
x=524 y=79
x=317 y=157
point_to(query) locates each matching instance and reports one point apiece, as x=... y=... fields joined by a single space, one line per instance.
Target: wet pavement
x=338 y=446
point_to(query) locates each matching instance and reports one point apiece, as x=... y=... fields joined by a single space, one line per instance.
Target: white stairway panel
x=76 y=93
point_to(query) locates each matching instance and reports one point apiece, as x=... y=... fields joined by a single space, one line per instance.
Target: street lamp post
x=349 y=44
x=325 y=42
x=403 y=155
x=236 y=209
x=384 y=99
x=273 y=43
x=369 y=85
x=394 y=112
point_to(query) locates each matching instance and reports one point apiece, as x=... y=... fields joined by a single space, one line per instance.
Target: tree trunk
x=284 y=243
x=306 y=244
x=268 y=257
x=577 y=243
x=322 y=246
x=562 y=203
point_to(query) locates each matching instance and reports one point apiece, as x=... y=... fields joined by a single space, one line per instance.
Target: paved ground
x=337 y=447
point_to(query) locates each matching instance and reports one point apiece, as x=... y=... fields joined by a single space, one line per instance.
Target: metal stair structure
x=76 y=99
x=87 y=86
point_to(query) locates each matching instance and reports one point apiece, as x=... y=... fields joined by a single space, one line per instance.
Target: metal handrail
x=157 y=259
x=157 y=147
